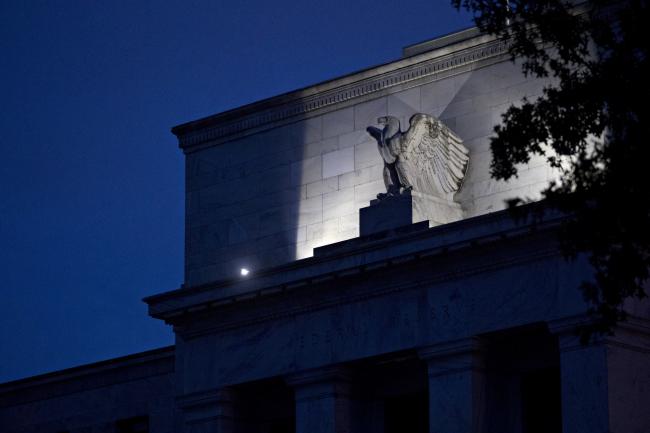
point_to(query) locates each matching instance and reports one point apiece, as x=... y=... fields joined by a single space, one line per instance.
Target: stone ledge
x=338 y=93
x=365 y=257
x=89 y=376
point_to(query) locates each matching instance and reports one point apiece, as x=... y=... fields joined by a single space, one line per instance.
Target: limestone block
x=349 y=222
x=306 y=171
x=243 y=228
x=303 y=250
x=320 y=147
x=281 y=239
x=311 y=129
x=311 y=210
x=270 y=181
x=492 y=186
x=366 y=113
x=348 y=234
x=437 y=95
x=404 y=104
x=361 y=176
x=456 y=108
x=283 y=137
x=338 y=162
x=507 y=72
x=324 y=186
x=276 y=256
x=475 y=125
x=327 y=230
x=353 y=138
x=272 y=220
x=366 y=155
x=338 y=122
x=479 y=163
x=338 y=203
x=365 y=193
x=529 y=89
x=475 y=83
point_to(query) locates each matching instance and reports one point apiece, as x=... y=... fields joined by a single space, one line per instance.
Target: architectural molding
x=174 y=307
x=630 y=334
x=253 y=319
x=338 y=93
x=205 y=398
x=450 y=349
x=329 y=374
x=156 y=362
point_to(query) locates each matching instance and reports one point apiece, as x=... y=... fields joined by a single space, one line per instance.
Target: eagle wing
x=433 y=158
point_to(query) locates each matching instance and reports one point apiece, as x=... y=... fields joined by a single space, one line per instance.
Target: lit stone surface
x=323 y=166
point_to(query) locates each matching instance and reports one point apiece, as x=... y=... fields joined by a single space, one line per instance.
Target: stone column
x=583 y=376
x=605 y=383
x=322 y=400
x=456 y=386
x=207 y=412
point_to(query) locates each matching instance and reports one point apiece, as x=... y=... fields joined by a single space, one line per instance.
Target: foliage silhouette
x=591 y=123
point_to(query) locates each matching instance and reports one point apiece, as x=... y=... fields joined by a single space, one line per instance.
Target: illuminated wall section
x=269 y=182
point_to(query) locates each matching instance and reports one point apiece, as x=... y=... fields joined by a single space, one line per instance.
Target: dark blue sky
x=91 y=179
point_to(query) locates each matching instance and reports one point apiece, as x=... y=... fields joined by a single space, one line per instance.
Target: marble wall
x=271 y=197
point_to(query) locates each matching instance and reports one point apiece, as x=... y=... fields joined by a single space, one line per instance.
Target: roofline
x=87 y=369
x=441 y=41
x=427 y=61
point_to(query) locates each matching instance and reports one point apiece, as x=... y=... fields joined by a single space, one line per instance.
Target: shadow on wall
x=472 y=110
x=243 y=203
x=272 y=197
x=341 y=172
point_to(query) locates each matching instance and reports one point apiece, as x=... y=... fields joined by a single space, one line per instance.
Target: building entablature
x=364 y=255
x=425 y=62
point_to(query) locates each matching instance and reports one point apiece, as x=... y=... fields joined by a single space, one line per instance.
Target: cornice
x=379 y=290
x=338 y=93
x=173 y=307
x=89 y=376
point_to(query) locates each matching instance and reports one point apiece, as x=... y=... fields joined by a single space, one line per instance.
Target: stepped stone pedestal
x=404 y=209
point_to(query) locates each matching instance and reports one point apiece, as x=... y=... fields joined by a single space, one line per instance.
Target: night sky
x=91 y=179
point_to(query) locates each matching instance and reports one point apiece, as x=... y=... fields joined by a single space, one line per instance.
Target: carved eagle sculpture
x=427 y=158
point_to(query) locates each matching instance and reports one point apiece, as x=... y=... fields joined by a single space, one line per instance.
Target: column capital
x=212 y=410
x=454 y=356
x=213 y=396
x=329 y=374
x=456 y=385
x=455 y=348
x=568 y=325
x=322 y=400
x=632 y=333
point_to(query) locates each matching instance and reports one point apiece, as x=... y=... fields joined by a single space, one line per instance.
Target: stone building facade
x=462 y=327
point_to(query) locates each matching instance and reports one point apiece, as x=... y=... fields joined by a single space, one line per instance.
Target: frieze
x=250 y=118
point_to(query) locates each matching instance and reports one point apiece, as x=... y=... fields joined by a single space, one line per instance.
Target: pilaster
x=456 y=386
x=322 y=400
x=605 y=382
x=207 y=412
